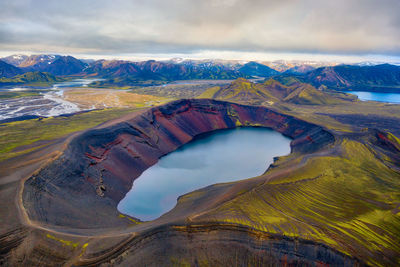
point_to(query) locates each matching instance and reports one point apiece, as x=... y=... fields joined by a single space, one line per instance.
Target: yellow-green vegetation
x=36 y=78
x=273 y=91
x=287 y=80
x=210 y=93
x=394 y=140
x=348 y=201
x=177 y=262
x=306 y=94
x=129 y=218
x=65 y=242
x=24 y=134
x=71 y=244
x=240 y=90
x=83 y=249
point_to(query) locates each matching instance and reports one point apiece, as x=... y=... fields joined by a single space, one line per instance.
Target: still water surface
x=381 y=97
x=216 y=157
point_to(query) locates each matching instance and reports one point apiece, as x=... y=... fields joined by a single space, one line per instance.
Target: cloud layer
x=189 y=26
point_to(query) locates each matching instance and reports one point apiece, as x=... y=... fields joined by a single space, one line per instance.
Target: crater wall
x=82 y=188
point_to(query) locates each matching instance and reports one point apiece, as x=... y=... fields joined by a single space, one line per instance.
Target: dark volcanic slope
x=7 y=70
x=256 y=69
x=370 y=121
x=379 y=78
x=65 y=65
x=82 y=188
x=219 y=245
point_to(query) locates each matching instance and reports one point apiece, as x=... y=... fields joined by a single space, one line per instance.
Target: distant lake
x=381 y=97
x=216 y=157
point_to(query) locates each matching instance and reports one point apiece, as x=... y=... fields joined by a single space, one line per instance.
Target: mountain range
x=53 y=64
x=127 y=73
x=30 y=62
x=119 y=73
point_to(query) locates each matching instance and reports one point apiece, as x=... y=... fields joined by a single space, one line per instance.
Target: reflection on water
x=381 y=97
x=221 y=156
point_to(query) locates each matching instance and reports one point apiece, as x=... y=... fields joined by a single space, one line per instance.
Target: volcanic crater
x=82 y=188
x=76 y=195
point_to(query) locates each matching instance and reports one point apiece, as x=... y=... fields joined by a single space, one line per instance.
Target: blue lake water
x=216 y=157
x=381 y=97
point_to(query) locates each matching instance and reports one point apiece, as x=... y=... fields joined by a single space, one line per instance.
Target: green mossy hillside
x=35 y=77
x=272 y=91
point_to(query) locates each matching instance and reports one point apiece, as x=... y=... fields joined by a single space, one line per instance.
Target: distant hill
x=136 y=73
x=289 y=79
x=15 y=60
x=256 y=69
x=380 y=78
x=54 y=64
x=284 y=65
x=272 y=91
x=8 y=70
x=65 y=65
x=111 y=68
x=240 y=90
x=301 y=69
x=30 y=78
x=38 y=62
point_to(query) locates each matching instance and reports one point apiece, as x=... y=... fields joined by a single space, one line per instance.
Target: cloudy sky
x=214 y=28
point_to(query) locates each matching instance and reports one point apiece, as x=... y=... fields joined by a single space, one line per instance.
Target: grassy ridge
x=32 y=78
x=272 y=91
x=210 y=93
x=348 y=201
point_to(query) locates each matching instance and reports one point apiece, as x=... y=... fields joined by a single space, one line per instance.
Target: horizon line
x=223 y=56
